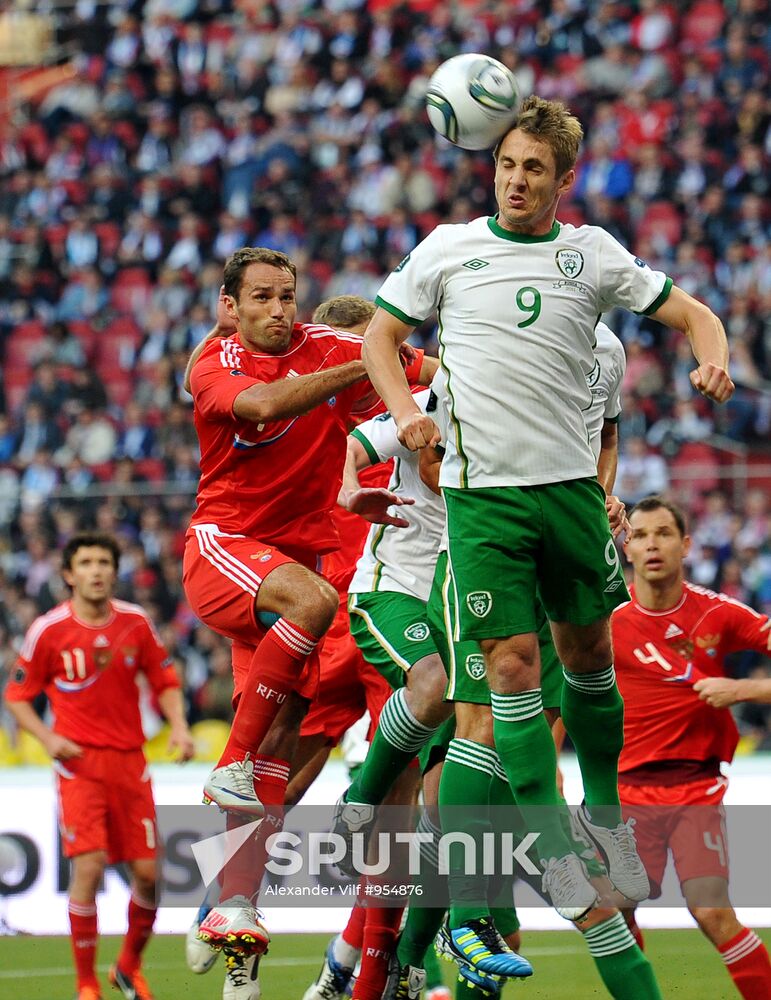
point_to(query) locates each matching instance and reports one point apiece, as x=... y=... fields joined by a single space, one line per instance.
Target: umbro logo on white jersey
x=672 y=631
x=101 y=641
x=476 y=264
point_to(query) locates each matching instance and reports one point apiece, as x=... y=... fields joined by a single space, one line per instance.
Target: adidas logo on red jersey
x=672 y=631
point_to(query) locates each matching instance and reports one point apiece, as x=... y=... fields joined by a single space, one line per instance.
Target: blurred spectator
x=640 y=472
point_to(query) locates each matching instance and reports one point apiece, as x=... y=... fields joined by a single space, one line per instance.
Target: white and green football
x=472 y=100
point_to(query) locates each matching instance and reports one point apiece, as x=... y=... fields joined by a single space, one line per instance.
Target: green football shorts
x=391 y=630
x=464 y=662
x=509 y=544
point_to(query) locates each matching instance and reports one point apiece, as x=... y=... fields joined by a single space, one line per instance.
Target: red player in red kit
x=272 y=406
x=85 y=655
x=667 y=639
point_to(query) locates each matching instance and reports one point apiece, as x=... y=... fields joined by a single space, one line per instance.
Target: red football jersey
x=279 y=481
x=659 y=655
x=89 y=673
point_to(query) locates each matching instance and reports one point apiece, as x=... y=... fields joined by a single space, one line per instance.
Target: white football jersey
x=604 y=381
x=516 y=319
x=400 y=559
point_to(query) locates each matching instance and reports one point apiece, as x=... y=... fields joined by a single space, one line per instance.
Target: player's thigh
x=463 y=661
x=580 y=578
x=391 y=631
x=83 y=806
x=222 y=576
x=494 y=541
x=133 y=831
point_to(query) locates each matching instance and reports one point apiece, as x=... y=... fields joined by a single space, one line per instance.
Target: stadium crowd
x=182 y=131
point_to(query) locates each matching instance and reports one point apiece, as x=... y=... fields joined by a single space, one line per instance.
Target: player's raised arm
x=708 y=342
x=371 y=503
x=267 y=401
x=385 y=335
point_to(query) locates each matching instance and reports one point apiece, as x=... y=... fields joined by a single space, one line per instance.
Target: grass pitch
x=39 y=968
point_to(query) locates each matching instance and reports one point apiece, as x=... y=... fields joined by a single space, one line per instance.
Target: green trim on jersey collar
x=660 y=299
x=505 y=234
x=366 y=445
x=396 y=311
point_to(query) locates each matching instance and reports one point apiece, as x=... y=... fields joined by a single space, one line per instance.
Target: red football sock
x=141 y=917
x=242 y=875
x=637 y=934
x=353 y=933
x=747 y=961
x=273 y=672
x=83 y=937
x=380 y=932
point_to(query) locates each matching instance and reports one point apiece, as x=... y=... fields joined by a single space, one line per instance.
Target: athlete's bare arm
x=180 y=738
x=370 y=503
x=708 y=342
x=385 y=335
x=721 y=692
x=430 y=464
x=607 y=464
x=56 y=746
x=291 y=397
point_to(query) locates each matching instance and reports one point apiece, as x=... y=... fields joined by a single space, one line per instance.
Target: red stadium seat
x=695 y=469
x=152 y=469
x=131 y=290
x=661 y=219
x=701 y=25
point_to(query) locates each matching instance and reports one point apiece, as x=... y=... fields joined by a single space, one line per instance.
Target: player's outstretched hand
x=718 y=692
x=182 y=741
x=60 y=748
x=373 y=504
x=713 y=382
x=617 y=519
x=417 y=430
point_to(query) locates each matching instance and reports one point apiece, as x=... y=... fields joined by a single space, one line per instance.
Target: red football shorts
x=222 y=575
x=348 y=685
x=106 y=804
x=688 y=820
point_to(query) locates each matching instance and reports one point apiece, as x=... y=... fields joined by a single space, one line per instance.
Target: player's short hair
x=89 y=539
x=550 y=122
x=344 y=311
x=657 y=503
x=237 y=263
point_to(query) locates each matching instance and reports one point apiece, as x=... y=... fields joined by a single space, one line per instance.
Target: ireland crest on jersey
x=479 y=603
x=570 y=262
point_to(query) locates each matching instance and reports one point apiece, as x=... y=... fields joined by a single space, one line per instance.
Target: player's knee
x=87 y=873
x=718 y=923
x=310 y=602
x=427 y=681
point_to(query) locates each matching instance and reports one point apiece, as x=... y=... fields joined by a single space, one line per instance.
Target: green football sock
x=626 y=972
x=397 y=739
x=416 y=943
x=526 y=749
x=593 y=714
x=464 y=795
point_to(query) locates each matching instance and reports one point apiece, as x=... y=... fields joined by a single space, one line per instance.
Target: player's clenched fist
x=713 y=382
x=417 y=430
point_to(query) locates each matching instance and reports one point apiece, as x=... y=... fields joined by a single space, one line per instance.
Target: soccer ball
x=472 y=100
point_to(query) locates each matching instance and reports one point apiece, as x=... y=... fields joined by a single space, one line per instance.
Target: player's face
x=92 y=574
x=655 y=547
x=527 y=188
x=266 y=308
